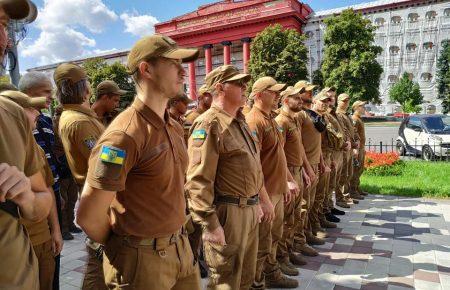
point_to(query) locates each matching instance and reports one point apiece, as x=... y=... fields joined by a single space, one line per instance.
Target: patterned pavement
x=385 y=242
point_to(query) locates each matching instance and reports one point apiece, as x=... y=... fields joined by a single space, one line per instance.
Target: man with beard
x=204 y=100
x=107 y=100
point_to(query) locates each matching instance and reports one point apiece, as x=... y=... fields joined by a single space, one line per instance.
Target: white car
x=425 y=135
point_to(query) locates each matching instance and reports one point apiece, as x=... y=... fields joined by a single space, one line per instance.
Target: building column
x=226 y=52
x=192 y=82
x=208 y=57
x=246 y=52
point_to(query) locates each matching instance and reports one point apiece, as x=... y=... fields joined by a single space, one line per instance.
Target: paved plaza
x=385 y=242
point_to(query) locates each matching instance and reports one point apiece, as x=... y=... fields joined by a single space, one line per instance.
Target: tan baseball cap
x=203 y=90
x=305 y=84
x=266 y=83
x=322 y=96
x=158 y=46
x=16 y=9
x=358 y=104
x=24 y=100
x=329 y=89
x=109 y=88
x=69 y=71
x=224 y=74
x=343 y=97
x=290 y=91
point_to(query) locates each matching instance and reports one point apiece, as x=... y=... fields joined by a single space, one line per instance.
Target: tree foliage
x=407 y=94
x=443 y=77
x=98 y=70
x=349 y=61
x=317 y=78
x=279 y=53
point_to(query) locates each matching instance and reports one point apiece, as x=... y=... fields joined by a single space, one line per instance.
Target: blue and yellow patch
x=280 y=129
x=199 y=134
x=112 y=155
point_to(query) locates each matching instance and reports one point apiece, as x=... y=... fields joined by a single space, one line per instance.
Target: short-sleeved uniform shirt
x=311 y=138
x=143 y=158
x=293 y=147
x=347 y=124
x=223 y=160
x=333 y=137
x=39 y=232
x=270 y=141
x=18 y=269
x=192 y=115
x=360 y=130
x=79 y=130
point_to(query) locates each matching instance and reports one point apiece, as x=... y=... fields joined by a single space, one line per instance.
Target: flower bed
x=383 y=164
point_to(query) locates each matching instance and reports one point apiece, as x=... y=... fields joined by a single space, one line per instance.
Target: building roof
x=361 y=6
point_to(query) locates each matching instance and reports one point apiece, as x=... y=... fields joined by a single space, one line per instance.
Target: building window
x=379 y=21
x=426 y=77
x=447 y=12
x=413 y=17
x=410 y=76
x=428 y=45
x=392 y=79
x=393 y=50
x=309 y=34
x=411 y=47
x=430 y=15
x=396 y=20
x=312 y=60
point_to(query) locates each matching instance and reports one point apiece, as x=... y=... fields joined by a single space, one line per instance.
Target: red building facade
x=223 y=31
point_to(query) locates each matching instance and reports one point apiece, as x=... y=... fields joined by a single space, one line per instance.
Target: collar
x=79 y=108
x=266 y=116
x=289 y=115
x=150 y=116
x=341 y=111
x=227 y=118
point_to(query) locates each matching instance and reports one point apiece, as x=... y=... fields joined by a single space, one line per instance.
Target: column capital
x=226 y=43
x=206 y=46
x=246 y=39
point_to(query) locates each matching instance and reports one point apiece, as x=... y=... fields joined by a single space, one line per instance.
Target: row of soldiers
x=258 y=186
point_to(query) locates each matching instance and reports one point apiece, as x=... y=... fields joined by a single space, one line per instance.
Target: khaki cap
x=224 y=74
x=343 y=97
x=24 y=100
x=329 y=89
x=183 y=98
x=69 y=71
x=290 y=91
x=158 y=46
x=16 y=9
x=203 y=90
x=266 y=83
x=322 y=96
x=305 y=84
x=109 y=87
x=358 y=104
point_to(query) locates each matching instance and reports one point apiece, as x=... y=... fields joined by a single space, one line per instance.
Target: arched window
x=411 y=47
x=312 y=60
x=426 y=77
x=447 y=12
x=379 y=21
x=309 y=34
x=413 y=17
x=392 y=79
x=396 y=19
x=394 y=49
x=430 y=15
x=410 y=76
x=428 y=45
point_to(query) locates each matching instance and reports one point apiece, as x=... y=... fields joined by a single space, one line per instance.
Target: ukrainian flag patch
x=199 y=134
x=112 y=155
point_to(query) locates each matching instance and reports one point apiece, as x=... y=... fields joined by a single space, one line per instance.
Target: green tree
x=98 y=70
x=443 y=77
x=349 y=61
x=407 y=94
x=279 y=53
x=317 y=78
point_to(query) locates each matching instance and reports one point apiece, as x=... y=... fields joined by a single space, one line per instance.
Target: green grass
x=419 y=179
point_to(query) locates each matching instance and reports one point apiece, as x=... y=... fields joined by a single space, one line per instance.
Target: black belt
x=241 y=201
x=10 y=207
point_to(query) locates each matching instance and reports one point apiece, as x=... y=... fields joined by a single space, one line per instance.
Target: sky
x=72 y=29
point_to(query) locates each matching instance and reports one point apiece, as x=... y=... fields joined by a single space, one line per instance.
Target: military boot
x=297 y=259
x=327 y=224
x=280 y=281
x=342 y=203
x=306 y=250
x=355 y=195
x=287 y=268
x=313 y=240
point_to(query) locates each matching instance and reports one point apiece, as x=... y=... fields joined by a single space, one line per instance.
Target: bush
x=383 y=164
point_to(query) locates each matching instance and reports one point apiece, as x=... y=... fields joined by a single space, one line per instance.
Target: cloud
x=61 y=23
x=139 y=25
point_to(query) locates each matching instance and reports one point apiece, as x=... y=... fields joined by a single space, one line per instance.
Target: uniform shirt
x=39 y=232
x=311 y=138
x=270 y=141
x=192 y=115
x=359 y=127
x=18 y=269
x=293 y=147
x=223 y=160
x=333 y=137
x=79 y=130
x=347 y=124
x=143 y=158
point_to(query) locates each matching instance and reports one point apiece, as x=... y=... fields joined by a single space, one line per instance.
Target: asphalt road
x=375 y=135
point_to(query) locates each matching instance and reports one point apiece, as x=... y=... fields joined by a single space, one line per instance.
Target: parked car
x=401 y=115
x=424 y=135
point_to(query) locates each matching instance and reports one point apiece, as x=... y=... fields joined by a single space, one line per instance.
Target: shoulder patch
x=90 y=142
x=280 y=129
x=199 y=134
x=113 y=155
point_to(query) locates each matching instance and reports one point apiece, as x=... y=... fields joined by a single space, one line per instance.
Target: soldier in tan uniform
x=133 y=201
x=278 y=181
x=224 y=180
x=343 y=198
x=107 y=100
x=358 y=112
x=204 y=100
x=79 y=129
x=294 y=212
